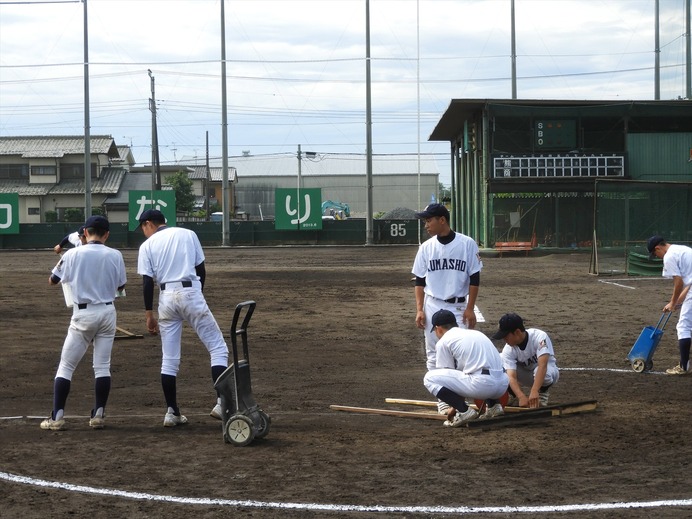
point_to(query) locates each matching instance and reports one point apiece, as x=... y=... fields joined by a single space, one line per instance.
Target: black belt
x=456 y=300
x=82 y=306
x=185 y=284
x=485 y=371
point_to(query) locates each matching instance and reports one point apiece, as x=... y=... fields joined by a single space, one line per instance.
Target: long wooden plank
x=389 y=412
x=126 y=334
x=492 y=422
x=560 y=409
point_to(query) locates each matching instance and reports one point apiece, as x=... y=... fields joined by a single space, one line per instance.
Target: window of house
x=14 y=171
x=75 y=171
x=43 y=170
x=34 y=210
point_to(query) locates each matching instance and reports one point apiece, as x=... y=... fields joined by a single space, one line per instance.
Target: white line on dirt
x=235 y=503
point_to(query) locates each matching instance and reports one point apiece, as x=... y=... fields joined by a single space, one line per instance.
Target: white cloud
x=296 y=70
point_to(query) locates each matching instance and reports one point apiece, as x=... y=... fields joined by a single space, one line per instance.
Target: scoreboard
x=556 y=134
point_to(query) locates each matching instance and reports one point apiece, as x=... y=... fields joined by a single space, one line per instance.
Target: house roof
x=108 y=183
x=22 y=187
x=215 y=173
x=332 y=164
x=132 y=181
x=56 y=147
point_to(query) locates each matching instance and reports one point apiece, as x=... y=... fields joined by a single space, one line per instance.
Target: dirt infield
x=335 y=326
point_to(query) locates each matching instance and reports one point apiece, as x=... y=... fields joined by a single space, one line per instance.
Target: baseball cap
x=97 y=222
x=653 y=242
x=443 y=317
x=153 y=215
x=433 y=210
x=508 y=323
x=80 y=231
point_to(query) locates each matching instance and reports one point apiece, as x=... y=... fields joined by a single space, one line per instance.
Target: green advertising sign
x=298 y=209
x=140 y=201
x=9 y=213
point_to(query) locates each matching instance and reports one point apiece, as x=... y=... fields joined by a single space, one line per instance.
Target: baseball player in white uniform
x=447 y=271
x=74 y=238
x=173 y=258
x=467 y=366
x=96 y=273
x=529 y=359
x=677 y=263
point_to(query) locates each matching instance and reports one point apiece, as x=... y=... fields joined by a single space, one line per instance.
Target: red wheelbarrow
x=642 y=352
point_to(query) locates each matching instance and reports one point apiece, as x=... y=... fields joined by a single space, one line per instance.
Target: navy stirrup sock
x=450 y=397
x=684 y=345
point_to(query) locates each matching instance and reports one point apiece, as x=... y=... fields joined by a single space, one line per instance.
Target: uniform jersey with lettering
x=170 y=254
x=93 y=271
x=469 y=351
x=539 y=344
x=447 y=267
x=678 y=262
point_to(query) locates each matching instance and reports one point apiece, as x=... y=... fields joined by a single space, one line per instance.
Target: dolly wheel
x=638 y=365
x=649 y=365
x=265 y=422
x=239 y=430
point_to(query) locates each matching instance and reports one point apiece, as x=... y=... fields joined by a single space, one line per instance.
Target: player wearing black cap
x=95 y=273
x=677 y=263
x=447 y=271
x=467 y=365
x=173 y=258
x=529 y=359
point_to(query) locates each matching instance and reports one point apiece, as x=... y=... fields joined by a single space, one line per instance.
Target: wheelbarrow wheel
x=265 y=422
x=638 y=365
x=649 y=365
x=239 y=430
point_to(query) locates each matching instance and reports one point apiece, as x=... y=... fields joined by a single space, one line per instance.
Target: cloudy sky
x=296 y=71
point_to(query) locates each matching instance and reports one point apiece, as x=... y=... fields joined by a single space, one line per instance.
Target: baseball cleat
x=97 y=422
x=677 y=370
x=461 y=418
x=492 y=412
x=543 y=397
x=53 y=425
x=217 y=412
x=171 y=420
x=442 y=407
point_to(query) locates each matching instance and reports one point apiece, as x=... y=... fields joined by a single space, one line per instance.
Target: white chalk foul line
x=240 y=503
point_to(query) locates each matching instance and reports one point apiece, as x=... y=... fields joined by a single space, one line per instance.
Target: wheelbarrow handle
x=665 y=316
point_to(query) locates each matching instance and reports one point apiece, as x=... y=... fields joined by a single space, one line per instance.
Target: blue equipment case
x=642 y=352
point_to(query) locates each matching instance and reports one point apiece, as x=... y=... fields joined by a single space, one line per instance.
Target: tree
x=445 y=193
x=184 y=195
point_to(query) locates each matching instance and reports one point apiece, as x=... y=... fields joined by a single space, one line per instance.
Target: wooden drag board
x=126 y=334
x=556 y=410
x=505 y=419
x=518 y=415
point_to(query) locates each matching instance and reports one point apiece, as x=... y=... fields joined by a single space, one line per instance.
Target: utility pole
x=368 y=131
x=657 y=54
x=688 y=52
x=226 y=229
x=514 y=56
x=155 y=168
x=206 y=184
x=87 y=124
x=300 y=167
